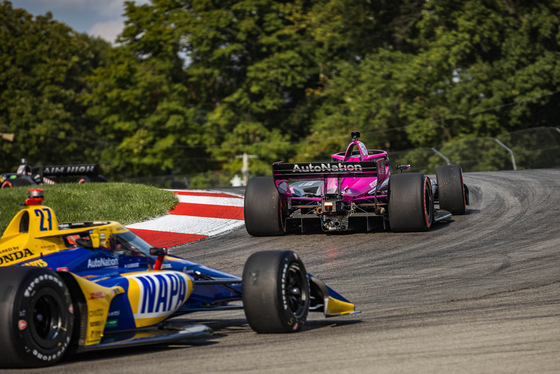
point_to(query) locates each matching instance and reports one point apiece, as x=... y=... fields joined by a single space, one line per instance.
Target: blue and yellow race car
x=76 y=287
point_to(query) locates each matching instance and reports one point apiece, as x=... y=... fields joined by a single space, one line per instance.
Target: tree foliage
x=142 y=102
x=191 y=85
x=42 y=80
x=470 y=69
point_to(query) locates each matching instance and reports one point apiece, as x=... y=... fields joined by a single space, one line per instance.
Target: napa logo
x=158 y=294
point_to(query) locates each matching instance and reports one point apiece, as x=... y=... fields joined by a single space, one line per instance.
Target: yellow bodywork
x=98 y=300
x=336 y=307
x=34 y=232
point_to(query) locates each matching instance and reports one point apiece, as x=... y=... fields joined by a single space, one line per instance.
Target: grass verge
x=122 y=202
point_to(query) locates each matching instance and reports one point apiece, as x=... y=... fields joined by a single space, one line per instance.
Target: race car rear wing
x=90 y=170
x=320 y=170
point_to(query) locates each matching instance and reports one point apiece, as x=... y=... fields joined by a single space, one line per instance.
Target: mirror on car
x=85 y=243
x=155 y=251
x=403 y=167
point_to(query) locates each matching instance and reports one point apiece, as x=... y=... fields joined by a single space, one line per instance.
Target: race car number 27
x=44 y=226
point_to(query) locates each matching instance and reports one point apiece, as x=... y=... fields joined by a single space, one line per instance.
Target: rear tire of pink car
x=263 y=208
x=411 y=202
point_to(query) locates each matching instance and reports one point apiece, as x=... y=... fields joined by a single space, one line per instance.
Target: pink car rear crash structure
x=355 y=191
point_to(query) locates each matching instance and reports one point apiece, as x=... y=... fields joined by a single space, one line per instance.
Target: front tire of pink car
x=451 y=189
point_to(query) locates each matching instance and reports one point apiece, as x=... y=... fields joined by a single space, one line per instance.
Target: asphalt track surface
x=480 y=294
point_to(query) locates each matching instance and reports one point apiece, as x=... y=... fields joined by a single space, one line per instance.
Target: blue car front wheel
x=276 y=294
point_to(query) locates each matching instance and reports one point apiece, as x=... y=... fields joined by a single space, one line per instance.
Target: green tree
x=466 y=69
x=194 y=84
x=140 y=98
x=498 y=62
x=42 y=78
x=250 y=63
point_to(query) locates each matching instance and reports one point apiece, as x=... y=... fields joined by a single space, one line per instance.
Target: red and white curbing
x=198 y=215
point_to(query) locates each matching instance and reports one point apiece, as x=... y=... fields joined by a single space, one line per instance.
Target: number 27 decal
x=43 y=224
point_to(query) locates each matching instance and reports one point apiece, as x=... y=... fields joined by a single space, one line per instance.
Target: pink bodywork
x=353 y=188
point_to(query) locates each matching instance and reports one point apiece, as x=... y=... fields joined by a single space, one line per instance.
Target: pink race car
x=355 y=191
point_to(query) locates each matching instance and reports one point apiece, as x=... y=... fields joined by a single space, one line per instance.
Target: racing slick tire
x=451 y=189
x=411 y=202
x=263 y=208
x=36 y=317
x=276 y=292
